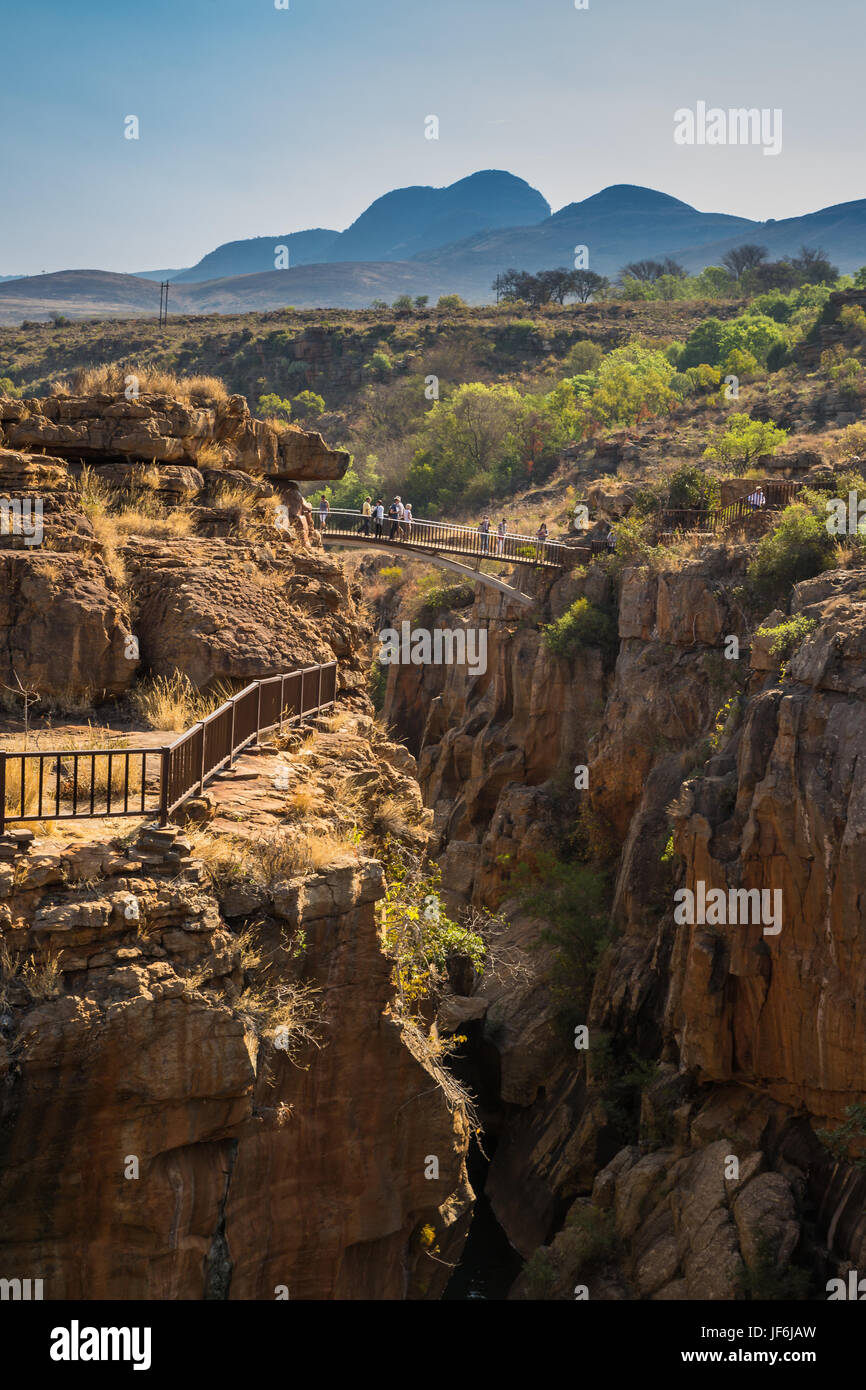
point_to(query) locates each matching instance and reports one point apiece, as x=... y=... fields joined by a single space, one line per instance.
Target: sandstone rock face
x=160 y=429
x=231 y=613
x=782 y=1009
x=490 y=744
x=63 y=627
x=158 y=1143
x=758 y=780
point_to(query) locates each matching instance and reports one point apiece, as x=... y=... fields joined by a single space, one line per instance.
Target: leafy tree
x=8 y=387
x=860 y=278
x=633 y=288
x=714 y=282
x=585 y=284
x=650 y=271
x=743 y=440
x=702 y=345
x=271 y=405
x=308 y=405
x=814 y=268
x=583 y=356
x=403 y=304
x=743 y=258
x=421 y=301
x=742 y=364
x=379 y=304
x=461 y=437
x=774 y=275
x=450 y=301
x=632 y=383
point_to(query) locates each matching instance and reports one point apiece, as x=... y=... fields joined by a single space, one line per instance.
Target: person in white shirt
x=757 y=498
x=501 y=533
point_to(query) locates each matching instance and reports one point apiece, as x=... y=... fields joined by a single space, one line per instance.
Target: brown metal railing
x=716 y=519
x=72 y=785
x=511 y=548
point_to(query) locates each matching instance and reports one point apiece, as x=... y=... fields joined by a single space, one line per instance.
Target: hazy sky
x=257 y=121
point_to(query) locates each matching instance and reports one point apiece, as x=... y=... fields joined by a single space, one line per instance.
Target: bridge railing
x=443 y=535
x=69 y=784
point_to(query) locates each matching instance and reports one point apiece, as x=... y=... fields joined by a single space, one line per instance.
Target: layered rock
x=148 y=1104
x=153 y=428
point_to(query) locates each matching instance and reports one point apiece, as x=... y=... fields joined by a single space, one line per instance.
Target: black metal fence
x=71 y=785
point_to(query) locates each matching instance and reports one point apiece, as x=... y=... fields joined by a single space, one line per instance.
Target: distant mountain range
x=434 y=241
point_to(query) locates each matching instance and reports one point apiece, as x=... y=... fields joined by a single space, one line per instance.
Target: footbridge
x=461 y=549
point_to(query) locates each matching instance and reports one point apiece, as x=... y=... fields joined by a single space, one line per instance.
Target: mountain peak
x=626 y=197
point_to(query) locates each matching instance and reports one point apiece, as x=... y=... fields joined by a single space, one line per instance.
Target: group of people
x=401 y=523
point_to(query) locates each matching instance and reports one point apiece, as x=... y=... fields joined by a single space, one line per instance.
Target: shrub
x=787 y=636
x=584 y=624
x=569 y=898
x=416 y=932
x=691 y=487
x=799 y=547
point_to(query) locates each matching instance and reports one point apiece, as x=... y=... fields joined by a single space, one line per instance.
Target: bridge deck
x=439 y=537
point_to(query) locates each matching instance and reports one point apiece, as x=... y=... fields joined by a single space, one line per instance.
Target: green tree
x=632 y=383
x=743 y=440
x=421 y=301
x=403 y=304
x=308 y=405
x=450 y=301
x=271 y=405
x=714 y=282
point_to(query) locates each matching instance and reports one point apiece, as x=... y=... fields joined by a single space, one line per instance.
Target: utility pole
x=163 y=303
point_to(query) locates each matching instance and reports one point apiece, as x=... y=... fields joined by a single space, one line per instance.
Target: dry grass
x=42 y=978
x=227 y=496
x=114 y=517
x=173 y=703
x=288 y=1011
x=210 y=455
x=303 y=802
x=112 y=378
x=269 y=858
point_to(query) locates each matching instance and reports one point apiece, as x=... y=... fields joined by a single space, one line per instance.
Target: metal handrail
x=184 y=765
x=443 y=535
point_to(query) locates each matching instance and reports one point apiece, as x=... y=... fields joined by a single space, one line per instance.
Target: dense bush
x=799 y=547
x=584 y=624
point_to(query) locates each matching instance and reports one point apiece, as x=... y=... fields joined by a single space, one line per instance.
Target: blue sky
x=256 y=121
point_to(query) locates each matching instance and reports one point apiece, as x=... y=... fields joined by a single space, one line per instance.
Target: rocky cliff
x=207 y=1089
x=672 y=1153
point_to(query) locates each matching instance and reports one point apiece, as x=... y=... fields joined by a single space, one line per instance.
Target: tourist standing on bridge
x=324 y=508
x=484 y=533
x=395 y=512
x=366 y=512
x=379 y=518
x=541 y=541
x=407 y=521
x=501 y=533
